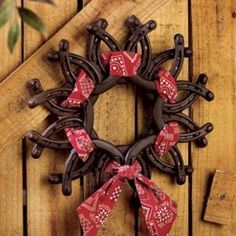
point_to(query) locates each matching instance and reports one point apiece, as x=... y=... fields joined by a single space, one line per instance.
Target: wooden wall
x=208 y=27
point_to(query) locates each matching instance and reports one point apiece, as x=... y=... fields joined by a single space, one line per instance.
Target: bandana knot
x=158 y=209
x=129 y=172
x=121 y=63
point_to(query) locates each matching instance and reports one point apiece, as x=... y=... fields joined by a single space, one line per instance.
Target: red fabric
x=166 y=86
x=167 y=138
x=158 y=209
x=122 y=63
x=83 y=88
x=80 y=141
x=79 y=138
x=169 y=135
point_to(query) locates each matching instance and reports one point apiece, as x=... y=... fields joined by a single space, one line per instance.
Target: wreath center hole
x=114 y=115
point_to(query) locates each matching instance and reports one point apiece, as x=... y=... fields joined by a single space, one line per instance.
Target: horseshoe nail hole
x=234 y=14
x=223 y=196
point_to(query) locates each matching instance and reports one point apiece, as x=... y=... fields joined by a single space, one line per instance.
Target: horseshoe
x=189 y=124
x=178 y=170
x=80 y=62
x=63 y=122
x=139 y=34
x=70 y=163
x=195 y=90
x=93 y=52
x=36 y=89
x=195 y=134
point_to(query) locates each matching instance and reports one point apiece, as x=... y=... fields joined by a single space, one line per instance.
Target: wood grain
x=221 y=198
x=48 y=211
x=115 y=122
x=11 y=217
x=162 y=39
x=214 y=53
x=54 y=17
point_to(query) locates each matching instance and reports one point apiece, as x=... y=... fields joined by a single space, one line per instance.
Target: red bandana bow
x=159 y=210
x=79 y=138
x=169 y=135
x=122 y=63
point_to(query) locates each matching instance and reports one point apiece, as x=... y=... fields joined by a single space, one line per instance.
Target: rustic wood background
x=209 y=28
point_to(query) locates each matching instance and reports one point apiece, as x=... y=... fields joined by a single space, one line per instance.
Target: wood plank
x=48 y=211
x=15 y=110
x=162 y=39
x=214 y=50
x=11 y=206
x=221 y=198
x=115 y=122
x=11 y=217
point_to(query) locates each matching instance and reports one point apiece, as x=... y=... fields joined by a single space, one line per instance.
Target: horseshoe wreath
x=72 y=105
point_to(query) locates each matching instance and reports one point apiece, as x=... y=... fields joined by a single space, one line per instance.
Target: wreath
x=72 y=105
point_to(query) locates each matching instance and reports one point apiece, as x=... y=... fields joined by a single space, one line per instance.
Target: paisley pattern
x=83 y=88
x=121 y=63
x=169 y=135
x=79 y=138
x=80 y=141
x=166 y=86
x=158 y=209
x=167 y=138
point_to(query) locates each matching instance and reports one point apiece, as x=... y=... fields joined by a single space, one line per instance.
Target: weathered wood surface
x=221 y=198
x=114 y=121
x=162 y=39
x=11 y=199
x=49 y=212
x=214 y=53
x=11 y=217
